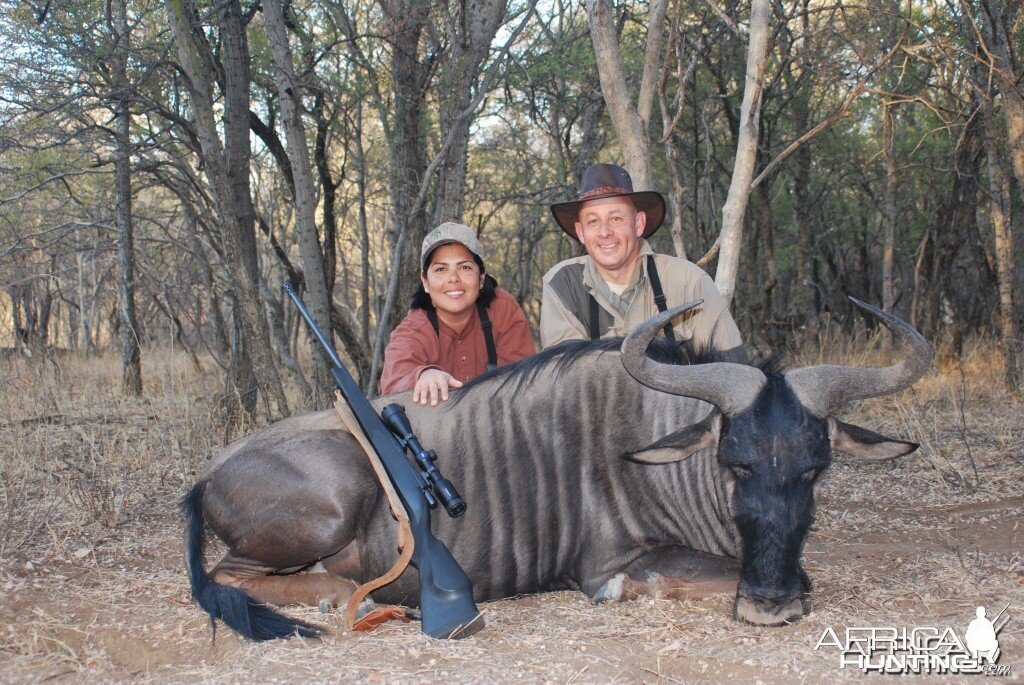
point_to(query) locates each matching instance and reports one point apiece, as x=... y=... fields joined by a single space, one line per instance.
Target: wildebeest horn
x=823 y=389
x=730 y=387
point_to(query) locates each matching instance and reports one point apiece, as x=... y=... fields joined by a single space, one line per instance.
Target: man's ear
x=681 y=444
x=579 y=230
x=641 y=223
x=865 y=445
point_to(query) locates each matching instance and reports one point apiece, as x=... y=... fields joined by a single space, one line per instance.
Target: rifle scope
x=395 y=419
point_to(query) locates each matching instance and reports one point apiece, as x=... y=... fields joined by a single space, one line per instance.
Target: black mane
x=560 y=357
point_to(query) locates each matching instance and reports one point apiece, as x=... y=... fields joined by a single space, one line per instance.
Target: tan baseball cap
x=450 y=232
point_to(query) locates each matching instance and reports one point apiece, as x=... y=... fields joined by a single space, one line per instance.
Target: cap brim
x=442 y=243
x=649 y=202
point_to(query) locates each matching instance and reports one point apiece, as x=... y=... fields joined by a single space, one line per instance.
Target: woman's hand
x=433 y=387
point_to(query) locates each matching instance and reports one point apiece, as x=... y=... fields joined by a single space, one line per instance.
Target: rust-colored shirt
x=414 y=347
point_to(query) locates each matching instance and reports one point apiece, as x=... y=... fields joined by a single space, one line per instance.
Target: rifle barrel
x=324 y=342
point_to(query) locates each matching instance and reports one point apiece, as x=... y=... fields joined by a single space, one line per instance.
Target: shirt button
x=463 y=358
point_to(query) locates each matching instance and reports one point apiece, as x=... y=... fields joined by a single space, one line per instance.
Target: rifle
x=446 y=593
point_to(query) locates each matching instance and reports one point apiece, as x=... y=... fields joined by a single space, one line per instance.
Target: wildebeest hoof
x=326 y=606
x=611 y=591
x=768 y=613
x=365 y=607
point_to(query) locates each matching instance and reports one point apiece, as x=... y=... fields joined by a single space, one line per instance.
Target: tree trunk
x=589 y=144
x=888 y=208
x=997 y=31
x=769 y=280
x=407 y=157
x=630 y=121
x=364 y=232
x=290 y=94
x=1000 y=30
x=470 y=34
x=330 y=196
x=242 y=388
x=956 y=212
x=804 y=291
x=673 y=162
x=237 y=153
x=239 y=241
x=1000 y=202
x=131 y=351
x=1000 y=213
x=220 y=329
x=746 y=152
x=277 y=330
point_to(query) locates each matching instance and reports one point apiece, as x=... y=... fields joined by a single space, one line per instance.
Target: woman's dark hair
x=421 y=299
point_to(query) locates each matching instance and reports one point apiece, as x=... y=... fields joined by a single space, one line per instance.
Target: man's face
x=610 y=229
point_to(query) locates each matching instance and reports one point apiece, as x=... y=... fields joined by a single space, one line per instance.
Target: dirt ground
x=94 y=588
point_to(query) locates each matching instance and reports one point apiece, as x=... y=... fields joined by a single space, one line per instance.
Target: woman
x=443 y=342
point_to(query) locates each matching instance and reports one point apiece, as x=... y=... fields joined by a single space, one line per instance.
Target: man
x=620 y=282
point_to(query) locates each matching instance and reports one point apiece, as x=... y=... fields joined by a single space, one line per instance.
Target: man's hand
x=432 y=387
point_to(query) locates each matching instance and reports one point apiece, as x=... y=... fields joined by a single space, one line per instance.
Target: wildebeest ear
x=865 y=445
x=682 y=443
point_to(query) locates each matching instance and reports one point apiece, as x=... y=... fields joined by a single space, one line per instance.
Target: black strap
x=595 y=331
x=485 y=325
x=659 y=295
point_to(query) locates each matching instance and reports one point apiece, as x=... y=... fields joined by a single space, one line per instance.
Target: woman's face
x=453 y=280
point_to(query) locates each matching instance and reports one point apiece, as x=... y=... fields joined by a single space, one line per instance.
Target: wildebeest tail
x=235 y=607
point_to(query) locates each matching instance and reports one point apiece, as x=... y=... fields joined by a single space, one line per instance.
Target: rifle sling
x=406 y=541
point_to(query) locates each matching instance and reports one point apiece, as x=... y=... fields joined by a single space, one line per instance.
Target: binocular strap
x=405 y=539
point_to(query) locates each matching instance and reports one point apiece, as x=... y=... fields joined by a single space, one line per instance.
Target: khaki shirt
x=565 y=305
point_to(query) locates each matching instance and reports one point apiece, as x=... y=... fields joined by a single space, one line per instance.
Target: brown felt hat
x=610 y=180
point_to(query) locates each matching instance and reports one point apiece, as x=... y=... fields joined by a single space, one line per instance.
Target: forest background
x=166 y=166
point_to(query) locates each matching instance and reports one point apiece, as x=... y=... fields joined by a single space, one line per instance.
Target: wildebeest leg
x=264 y=584
x=346 y=562
x=673 y=573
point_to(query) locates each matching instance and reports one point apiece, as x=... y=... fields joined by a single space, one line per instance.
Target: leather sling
x=405 y=539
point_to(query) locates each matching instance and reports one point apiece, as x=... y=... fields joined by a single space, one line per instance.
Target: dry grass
x=94 y=587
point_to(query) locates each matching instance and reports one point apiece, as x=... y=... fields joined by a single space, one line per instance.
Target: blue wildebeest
x=589 y=466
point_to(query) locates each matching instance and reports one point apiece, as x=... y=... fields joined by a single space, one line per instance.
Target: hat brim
x=649 y=202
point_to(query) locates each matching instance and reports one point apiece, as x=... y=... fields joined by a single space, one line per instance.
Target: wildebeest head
x=774 y=433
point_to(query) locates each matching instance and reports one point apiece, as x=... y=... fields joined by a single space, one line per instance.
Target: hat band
x=606 y=190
